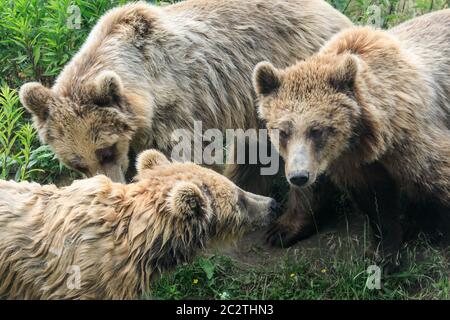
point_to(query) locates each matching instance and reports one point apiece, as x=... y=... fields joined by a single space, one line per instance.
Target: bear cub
x=117 y=237
x=371 y=111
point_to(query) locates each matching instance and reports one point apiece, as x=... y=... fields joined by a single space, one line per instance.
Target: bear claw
x=280 y=235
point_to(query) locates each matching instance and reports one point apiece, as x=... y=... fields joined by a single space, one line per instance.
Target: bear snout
x=299 y=178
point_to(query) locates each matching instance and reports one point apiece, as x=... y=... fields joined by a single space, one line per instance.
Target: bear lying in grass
x=371 y=110
x=117 y=237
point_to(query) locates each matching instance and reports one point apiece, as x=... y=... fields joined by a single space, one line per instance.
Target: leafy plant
x=21 y=158
x=386 y=13
x=16 y=138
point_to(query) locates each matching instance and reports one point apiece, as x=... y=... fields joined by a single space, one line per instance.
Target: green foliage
x=386 y=13
x=39 y=37
x=332 y=276
x=16 y=138
x=21 y=158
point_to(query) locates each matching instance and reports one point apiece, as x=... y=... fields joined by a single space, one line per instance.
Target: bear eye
x=77 y=164
x=106 y=155
x=283 y=135
x=320 y=133
x=315 y=133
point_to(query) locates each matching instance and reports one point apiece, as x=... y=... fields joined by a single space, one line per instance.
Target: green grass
x=300 y=277
x=36 y=42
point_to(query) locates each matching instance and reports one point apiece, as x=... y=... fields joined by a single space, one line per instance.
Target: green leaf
x=208 y=267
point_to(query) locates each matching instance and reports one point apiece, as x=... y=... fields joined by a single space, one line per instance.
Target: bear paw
x=283 y=235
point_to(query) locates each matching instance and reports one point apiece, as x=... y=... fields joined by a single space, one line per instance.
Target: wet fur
x=120 y=236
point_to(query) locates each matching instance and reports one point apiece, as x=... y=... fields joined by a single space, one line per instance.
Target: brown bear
x=371 y=110
x=146 y=71
x=97 y=239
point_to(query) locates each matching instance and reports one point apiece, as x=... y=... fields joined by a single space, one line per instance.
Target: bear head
x=200 y=204
x=312 y=112
x=88 y=128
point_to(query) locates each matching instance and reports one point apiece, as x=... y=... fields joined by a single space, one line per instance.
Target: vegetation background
x=38 y=37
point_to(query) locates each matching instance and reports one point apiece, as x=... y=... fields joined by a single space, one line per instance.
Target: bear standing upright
x=372 y=111
x=146 y=71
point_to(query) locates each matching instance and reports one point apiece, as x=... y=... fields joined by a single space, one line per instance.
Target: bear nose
x=299 y=178
x=275 y=209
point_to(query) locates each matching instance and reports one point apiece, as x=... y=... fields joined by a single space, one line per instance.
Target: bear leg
x=298 y=222
x=380 y=200
x=306 y=211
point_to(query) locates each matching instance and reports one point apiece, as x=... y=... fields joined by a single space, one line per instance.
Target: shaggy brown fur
x=120 y=237
x=371 y=110
x=145 y=71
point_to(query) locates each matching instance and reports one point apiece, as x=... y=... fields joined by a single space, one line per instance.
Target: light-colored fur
x=403 y=85
x=174 y=64
x=371 y=110
x=119 y=237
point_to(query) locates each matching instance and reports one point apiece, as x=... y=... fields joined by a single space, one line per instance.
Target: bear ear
x=266 y=79
x=343 y=79
x=186 y=200
x=36 y=99
x=149 y=159
x=107 y=88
